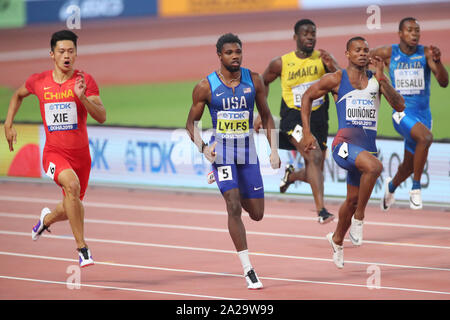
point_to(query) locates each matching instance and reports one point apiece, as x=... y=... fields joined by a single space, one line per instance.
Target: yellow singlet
x=297 y=75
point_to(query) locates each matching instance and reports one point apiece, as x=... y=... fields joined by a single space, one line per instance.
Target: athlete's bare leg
x=236 y=227
x=423 y=137
x=72 y=205
x=313 y=170
x=254 y=207
x=414 y=163
x=346 y=211
x=404 y=169
x=370 y=168
x=300 y=175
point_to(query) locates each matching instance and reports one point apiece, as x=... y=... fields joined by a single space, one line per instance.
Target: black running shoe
x=284 y=184
x=325 y=216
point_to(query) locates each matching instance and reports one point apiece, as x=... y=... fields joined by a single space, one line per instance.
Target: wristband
x=382 y=78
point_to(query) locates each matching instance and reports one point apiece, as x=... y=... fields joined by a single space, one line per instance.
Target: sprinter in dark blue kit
x=230 y=94
x=356 y=91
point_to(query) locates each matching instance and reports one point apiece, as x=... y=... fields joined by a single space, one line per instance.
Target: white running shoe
x=338 y=251
x=252 y=279
x=388 y=200
x=40 y=227
x=85 y=257
x=356 y=232
x=415 y=199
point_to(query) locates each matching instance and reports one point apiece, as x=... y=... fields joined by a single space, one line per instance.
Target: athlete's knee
x=375 y=168
x=73 y=188
x=234 y=208
x=315 y=157
x=426 y=139
x=256 y=214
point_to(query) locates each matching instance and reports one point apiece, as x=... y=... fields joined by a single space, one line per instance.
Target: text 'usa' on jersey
x=231 y=109
x=231 y=112
x=410 y=76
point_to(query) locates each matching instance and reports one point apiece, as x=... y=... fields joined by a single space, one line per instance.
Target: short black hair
x=301 y=23
x=63 y=35
x=227 y=38
x=349 y=42
x=402 y=22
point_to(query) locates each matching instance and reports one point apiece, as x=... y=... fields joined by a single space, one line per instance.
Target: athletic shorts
x=55 y=160
x=245 y=177
x=404 y=122
x=345 y=155
x=292 y=117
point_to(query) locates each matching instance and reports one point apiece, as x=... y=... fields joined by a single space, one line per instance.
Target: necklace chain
x=232 y=80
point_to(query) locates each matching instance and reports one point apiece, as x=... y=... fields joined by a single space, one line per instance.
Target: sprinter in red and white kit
x=66 y=96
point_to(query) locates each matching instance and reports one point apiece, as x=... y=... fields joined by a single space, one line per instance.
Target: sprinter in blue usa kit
x=230 y=94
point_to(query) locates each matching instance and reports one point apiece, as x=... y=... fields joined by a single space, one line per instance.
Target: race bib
x=61 y=116
x=298 y=92
x=409 y=81
x=225 y=173
x=233 y=124
x=361 y=112
x=398 y=116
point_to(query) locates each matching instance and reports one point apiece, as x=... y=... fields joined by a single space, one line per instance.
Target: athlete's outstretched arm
x=93 y=104
x=394 y=98
x=14 y=105
x=328 y=83
x=267 y=120
x=433 y=55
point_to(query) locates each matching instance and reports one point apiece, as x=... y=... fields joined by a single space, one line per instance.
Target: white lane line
x=191 y=295
x=249 y=37
x=197 y=228
x=118 y=206
x=221 y=274
x=168 y=246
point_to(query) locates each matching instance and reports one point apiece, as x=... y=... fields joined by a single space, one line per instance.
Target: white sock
x=246 y=265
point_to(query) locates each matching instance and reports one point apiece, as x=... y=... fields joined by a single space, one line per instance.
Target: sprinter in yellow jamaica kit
x=298 y=70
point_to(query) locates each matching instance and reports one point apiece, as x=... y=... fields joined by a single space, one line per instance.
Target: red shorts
x=55 y=160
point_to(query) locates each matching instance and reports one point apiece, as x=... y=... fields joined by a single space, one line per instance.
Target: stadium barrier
x=168 y=158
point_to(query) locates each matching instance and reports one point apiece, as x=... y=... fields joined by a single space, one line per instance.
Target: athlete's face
x=410 y=33
x=231 y=56
x=358 y=53
x=64 y=54
x=306 y=38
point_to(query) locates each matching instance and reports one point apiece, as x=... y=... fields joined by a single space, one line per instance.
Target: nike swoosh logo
x=256 y=189
x=46 y=88
x=416 y=204
x=354 y=239
x=219 y=94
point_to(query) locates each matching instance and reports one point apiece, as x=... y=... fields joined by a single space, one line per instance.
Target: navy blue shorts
x=245 y=177
x=345 y=156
